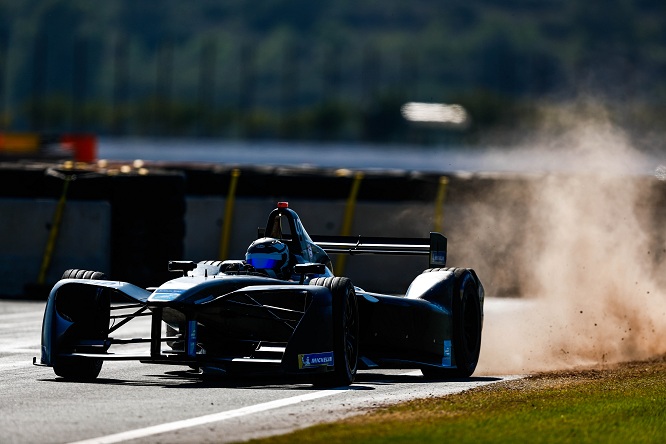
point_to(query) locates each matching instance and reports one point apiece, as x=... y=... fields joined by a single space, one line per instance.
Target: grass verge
x=622 y=404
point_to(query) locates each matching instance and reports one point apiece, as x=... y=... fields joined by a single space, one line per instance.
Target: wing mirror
x=310 y=268
x=182 y=266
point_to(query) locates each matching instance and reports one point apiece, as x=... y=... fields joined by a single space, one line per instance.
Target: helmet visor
x=261 y=262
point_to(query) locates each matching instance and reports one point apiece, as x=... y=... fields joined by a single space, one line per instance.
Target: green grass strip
x=624 y=404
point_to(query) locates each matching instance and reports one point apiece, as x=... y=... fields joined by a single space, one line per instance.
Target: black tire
x=82 y=274
x=345 y=331
x=79 y=369
x=432 y=270
x=467 y=326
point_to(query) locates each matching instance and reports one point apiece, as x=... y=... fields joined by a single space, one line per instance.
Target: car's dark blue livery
x=235 y=316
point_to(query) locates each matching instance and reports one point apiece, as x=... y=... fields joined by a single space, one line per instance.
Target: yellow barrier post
x=348 y=219
x=228 y=214
x=439 y=204
x=53 y=233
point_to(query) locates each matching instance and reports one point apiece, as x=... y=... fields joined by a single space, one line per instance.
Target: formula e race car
x=281 y=310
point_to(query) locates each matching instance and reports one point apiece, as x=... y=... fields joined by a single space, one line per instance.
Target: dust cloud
x=590 y=270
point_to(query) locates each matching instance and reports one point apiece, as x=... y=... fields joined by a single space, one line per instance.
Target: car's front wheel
x=79 y=368
x=345 y=331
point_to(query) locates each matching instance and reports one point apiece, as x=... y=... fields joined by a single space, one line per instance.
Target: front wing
x=249 y=327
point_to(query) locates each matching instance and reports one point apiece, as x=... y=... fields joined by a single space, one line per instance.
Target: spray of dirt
x=590 y=270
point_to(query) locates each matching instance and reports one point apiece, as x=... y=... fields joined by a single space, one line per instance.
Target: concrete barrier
x=143 y=224
x=84 y=240
x=150 y=214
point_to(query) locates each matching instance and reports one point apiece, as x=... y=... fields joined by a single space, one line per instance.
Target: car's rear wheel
x=345 y=331
x=77 y=368
x=467 y=325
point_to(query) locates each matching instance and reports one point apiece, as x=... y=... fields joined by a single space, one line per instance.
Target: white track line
x=21 y=347
x=22 y=325
x=221 y=416
x=201 y=420
x=14 y=365
x=215 y=417
x=22 y=314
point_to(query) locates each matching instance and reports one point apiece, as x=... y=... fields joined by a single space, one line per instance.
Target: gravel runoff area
x=563 y=378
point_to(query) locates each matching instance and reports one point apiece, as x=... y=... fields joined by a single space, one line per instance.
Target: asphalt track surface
x=142 y=403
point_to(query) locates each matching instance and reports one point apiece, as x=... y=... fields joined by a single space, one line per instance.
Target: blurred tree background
x=335 y=70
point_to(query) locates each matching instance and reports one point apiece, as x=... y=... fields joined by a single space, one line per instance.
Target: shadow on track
x=192 y=379
x=387 y=379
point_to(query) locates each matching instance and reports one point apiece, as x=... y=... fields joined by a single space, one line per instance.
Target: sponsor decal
x=446 y=359
x=438 y=257
x=313 y=360
x=191 y=338
x=165 y=295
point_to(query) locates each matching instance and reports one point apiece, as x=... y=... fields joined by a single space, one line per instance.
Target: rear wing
x=434 y=246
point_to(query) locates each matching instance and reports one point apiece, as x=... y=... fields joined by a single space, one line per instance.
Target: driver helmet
x=269 y=255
